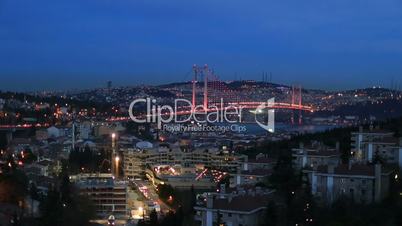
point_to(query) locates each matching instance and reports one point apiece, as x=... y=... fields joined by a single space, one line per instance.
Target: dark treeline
x=383 y=110
x=330 y=138
x=61 y=206
x=283 y=148
x=298 y=206
x=64 y=205
x=61 y=101
x=87 y=160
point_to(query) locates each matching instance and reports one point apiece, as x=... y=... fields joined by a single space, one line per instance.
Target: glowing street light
x=114 y=158
x=117 y=159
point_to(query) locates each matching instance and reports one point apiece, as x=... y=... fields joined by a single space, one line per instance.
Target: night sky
x=63 y=44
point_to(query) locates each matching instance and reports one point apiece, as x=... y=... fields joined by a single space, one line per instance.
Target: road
x=149 y=192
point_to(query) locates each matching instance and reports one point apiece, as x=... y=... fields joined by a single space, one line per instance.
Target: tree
x=141 y=223
x=167 y=194
x=153 y=218
x=51 y=209
x=170 y=220
x=29 y=156
x=65 y=189
x=377 y=158
x=180 y=215
x=16 y=220
x=283 y=178
x=33 y=192
x=13 y=186
x=193 y=199
x=271 y=215
x=64 y=206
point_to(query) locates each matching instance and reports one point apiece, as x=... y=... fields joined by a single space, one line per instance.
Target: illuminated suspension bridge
x=217 y=96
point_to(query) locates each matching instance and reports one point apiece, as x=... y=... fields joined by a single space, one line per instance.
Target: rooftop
x=373 y=131
x=353 y=170
x=262 y=160
x=257 y=172
x=243 y=203
x=316 y=152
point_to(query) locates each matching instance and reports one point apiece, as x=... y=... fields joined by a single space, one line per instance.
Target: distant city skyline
x=87 y=85
x=73 y=44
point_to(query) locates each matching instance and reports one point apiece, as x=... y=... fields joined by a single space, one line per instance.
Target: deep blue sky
x=61 y=44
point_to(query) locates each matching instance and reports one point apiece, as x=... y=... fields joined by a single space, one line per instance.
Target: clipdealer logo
x=270 y=127
x=183 y=111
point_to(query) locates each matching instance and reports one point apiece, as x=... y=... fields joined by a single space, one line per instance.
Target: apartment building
x=362 y=183
x=314 y=156
x=373 y=144
x=242 y=207
x=108 y=195
x=137 y=159
x=361 y=138
x=245 y=177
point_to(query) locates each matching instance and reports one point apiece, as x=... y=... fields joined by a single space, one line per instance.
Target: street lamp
x=117 y=159
x=114 y=158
